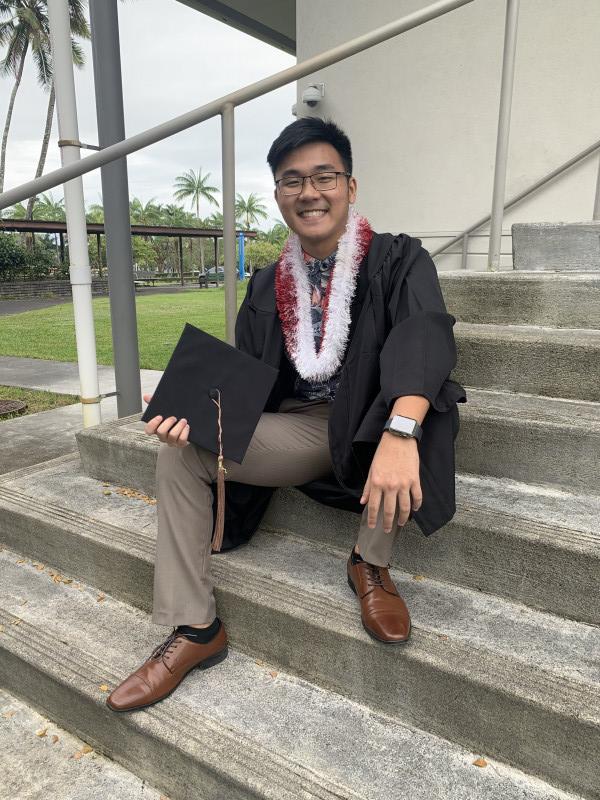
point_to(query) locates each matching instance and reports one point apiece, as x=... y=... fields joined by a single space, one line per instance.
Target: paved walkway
x=31 y=304
x=38 y=437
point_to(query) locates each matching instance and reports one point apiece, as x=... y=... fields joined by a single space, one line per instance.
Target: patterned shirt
x=319 y=272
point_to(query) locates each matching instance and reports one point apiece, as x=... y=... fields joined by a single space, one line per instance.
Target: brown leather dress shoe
x=383 y=612
x=168 y=665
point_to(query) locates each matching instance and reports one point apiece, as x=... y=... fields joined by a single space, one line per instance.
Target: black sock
x=200 y=635
x=356 y=557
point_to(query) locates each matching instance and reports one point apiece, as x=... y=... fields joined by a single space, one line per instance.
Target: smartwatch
x=404 y=426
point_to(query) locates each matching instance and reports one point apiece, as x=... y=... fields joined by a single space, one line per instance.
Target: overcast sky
x=173 y=59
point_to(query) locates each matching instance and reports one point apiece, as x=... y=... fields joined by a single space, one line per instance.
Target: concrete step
x=540 y=547
x=522 y=437
x=522 y=683
x=40 y=759
x=552 y=299
x=243 y=729
x=537 y=440
x=555 y=362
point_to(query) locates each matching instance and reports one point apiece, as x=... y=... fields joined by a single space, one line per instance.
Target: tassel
x=217 y=537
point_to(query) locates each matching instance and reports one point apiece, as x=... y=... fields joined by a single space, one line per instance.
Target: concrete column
x=115 y=194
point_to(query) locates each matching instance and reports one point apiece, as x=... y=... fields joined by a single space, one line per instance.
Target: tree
x=277 y=234
x=260 y=253
x=195 y=187
x=28 y=27
x=251 y=210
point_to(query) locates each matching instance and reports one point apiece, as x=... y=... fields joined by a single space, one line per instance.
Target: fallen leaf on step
x=54 y=739
x=418 y=577
x=107 y=491
x=17 y=622
x=20 y=561
x=87 y=749
x=105 y=483
x=39 y=567
x=273 y=674
x=259 y=662
x=100 y=598
x=67 y=580
x=41 y=732
x=480 y=762
x=57 y=578
x=103 y=687
x=2 y=628
x=23 y=602
x=9 y=714
x=77 y=755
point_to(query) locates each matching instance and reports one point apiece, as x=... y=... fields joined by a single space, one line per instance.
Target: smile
x=317 y=212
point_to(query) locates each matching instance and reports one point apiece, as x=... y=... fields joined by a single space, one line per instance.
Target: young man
x=363 y=415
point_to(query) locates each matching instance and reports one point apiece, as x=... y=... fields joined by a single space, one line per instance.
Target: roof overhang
x=271 y=21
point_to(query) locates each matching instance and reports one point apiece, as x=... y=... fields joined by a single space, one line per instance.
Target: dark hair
x=305 y=131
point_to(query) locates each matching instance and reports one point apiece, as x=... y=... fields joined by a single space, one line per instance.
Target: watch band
x=406 y=427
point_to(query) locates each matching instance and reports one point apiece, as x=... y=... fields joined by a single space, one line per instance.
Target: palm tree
x=277 y=234
x=50 y=209
x=195 y=187
x=145 y=214
x=251 y=209
x=27 y=27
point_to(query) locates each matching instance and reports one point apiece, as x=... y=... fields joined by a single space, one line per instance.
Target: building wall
x=422 y=111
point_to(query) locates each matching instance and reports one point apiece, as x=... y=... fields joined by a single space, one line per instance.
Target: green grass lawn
x=36 y=400
x=50 y=333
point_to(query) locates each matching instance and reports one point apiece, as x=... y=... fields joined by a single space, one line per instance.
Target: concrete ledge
x=555 y=362
x=239 y=730
x=559 y=300
x=521 y=683
x=538 y=547
x=522 y=437
x=556 y=245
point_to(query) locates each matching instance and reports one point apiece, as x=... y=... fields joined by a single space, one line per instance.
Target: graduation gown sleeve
x=419 y=352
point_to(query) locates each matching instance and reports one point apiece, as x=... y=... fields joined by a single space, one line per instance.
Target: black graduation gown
x=400 y=342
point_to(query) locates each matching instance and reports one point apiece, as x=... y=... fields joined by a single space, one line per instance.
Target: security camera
x=313 y=94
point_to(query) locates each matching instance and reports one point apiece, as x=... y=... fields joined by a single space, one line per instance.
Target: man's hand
x=393 y=477
x=170 y=431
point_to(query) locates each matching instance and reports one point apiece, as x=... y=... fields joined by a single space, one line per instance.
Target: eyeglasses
x=321 y=181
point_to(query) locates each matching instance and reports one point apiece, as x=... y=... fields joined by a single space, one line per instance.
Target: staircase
x=503 y=666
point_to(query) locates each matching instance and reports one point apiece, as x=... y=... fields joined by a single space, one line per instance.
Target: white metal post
x=508 y=74
x=80 y=273
x=228 y=161
x=597 y=199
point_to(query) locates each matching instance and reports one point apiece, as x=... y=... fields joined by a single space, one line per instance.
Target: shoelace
x=164 y=647
x=373 y=575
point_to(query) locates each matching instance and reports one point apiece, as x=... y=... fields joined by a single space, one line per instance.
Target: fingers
x=147 y=398
x=374 y=501
x=169 y=431
x=417 y=497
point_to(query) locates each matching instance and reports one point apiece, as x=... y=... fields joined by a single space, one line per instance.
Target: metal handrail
x=217 y=107
x=522 y=195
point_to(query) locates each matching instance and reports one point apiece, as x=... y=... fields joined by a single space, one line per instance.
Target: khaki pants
x=288 y=448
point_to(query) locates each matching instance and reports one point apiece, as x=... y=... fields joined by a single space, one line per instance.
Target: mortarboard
x=222 y=392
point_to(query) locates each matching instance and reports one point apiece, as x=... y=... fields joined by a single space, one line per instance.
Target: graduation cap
x=222 y=392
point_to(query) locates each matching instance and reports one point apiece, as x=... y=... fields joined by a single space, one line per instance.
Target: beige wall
x=422 y=110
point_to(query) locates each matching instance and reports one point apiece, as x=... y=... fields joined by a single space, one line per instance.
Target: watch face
x=402 y=425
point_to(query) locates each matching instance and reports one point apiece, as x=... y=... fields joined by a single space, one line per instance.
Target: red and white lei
x=293 y=293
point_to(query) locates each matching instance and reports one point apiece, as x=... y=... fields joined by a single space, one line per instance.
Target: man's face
x=318 y=217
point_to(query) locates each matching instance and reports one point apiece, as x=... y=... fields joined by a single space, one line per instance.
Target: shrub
x=260 y=254
x=12 y=257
